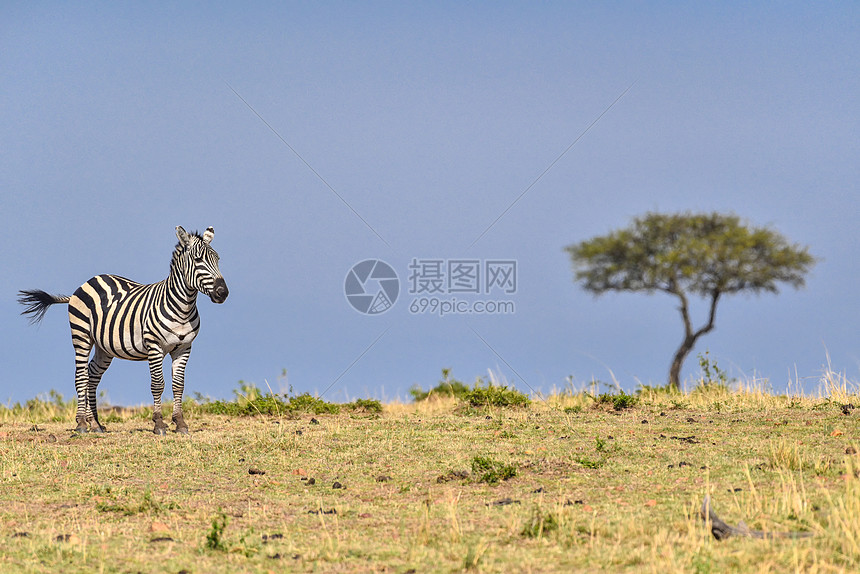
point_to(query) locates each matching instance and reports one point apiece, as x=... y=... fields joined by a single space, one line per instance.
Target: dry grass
x=595 y=488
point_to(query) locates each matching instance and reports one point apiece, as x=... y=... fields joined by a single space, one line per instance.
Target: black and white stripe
x=120 y=318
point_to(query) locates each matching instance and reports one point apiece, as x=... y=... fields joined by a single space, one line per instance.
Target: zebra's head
x=198 y=264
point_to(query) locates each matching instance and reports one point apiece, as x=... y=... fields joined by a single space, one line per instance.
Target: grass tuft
x=251 y=401
x=540 y=523
x=496 y=396
x=447 y=387
x=618 y=402
x=481 y=394
x=492 y=471
x=215 y=536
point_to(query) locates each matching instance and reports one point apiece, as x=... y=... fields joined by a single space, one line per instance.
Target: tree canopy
x=704 y=254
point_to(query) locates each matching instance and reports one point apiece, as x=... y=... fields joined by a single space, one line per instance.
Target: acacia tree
x=708 y=255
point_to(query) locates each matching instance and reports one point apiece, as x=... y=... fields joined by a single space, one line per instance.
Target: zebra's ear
x=208 y=235
x=182 y=235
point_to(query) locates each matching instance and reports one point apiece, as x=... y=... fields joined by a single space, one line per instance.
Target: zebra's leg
x=179 y=358
x=96 y=369
x=156 y=363
x=82 y=380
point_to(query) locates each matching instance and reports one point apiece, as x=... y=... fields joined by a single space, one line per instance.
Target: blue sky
x=415 y=126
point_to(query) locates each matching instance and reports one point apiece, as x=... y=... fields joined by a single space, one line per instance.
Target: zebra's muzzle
x=219 y=291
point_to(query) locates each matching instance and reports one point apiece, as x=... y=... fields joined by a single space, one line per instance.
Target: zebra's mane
x=180 y=247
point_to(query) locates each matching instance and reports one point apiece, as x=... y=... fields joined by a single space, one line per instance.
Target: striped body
x=125 y=318
x=120 y=318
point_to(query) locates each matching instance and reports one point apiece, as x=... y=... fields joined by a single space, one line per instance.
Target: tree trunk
x=678 y=362
x=690 y=336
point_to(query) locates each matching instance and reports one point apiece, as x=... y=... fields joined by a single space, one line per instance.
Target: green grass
x=481 y=394
x=447 y=387
x=618 y=402
x=215 y=536
x=572 y=484
x=492 y=471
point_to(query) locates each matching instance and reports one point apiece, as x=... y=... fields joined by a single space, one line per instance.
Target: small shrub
x=307 y=403
x=250 y=401
x=619 y=401
x=447 y=387
x=624 y=401
x=365 y=406
x=711 y=372
x=263 y=405
x=480 y=395
x=713 y=377
x=215 y=536
x=492 y=471
x=495 y=396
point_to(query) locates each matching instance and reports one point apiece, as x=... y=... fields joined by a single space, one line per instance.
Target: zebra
x=120 y=318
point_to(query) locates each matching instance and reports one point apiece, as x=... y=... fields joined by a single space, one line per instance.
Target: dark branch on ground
x=722 y=530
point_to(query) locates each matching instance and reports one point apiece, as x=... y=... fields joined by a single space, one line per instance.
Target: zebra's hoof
x=98 y=429
x=81 y=430
x=182 y=430
x=160 y=431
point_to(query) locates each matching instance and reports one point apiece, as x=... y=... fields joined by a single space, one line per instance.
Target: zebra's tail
x=37 y=302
